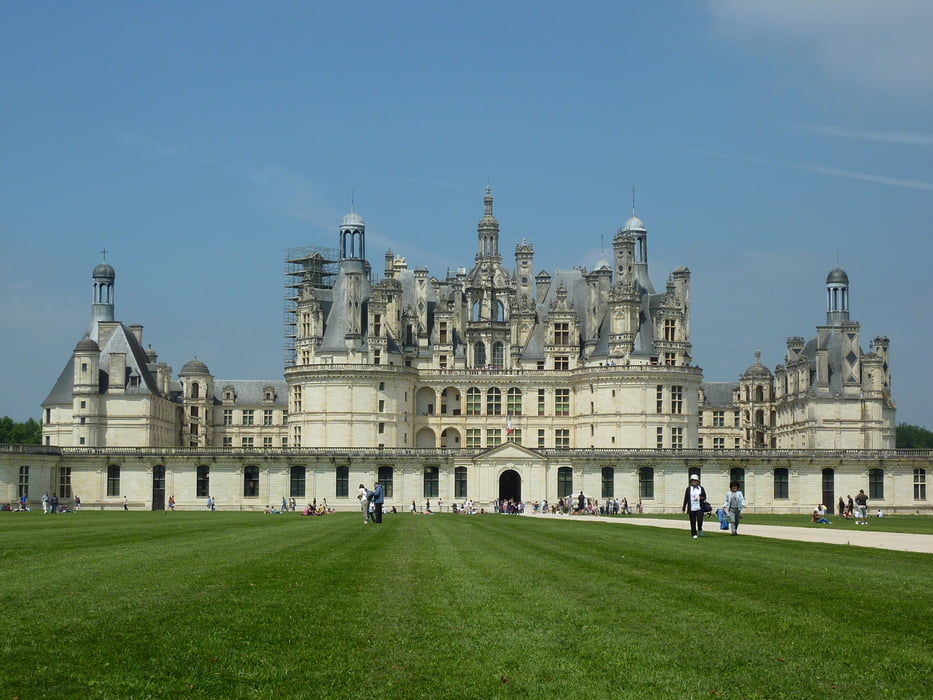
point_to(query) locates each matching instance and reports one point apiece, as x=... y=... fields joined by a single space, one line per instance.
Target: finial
x=633 y=200
x=104 y=253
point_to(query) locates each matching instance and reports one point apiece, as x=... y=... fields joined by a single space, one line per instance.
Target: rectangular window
x=562 y=402
x=296 y=482
x=700 y=419
x=284 y=417
x=285 y=441
x=670 y=359
x=382 y=428
x=442 y=333
x=719 y=443
x=382 y=405
x=677 y=399
x=342 y=483
x=113 y=480
x=515 y=436
x=514 y=402
x=474 y=403
x=203 y=482
x=386 y=477
x=876 y=484
x=377 y=325
x=564 y=482
x=64 y=482
x=659 y=399
x=23 y=481
x=247 y=416
x=562 y=438
x=431 y=482
x=659 y=438
x=677 y=438
x=228 y=441
x=737 y=444
x=494 y=402
x=670 y=329
x=562 y=362
x=540 y=402
x=920 y=484
x=608 y=482
x=719 y=419
x=474 y=438
x=561 y=333
x=377 y=356
x=267 y=442
x=442 y=361
x=246 y=443
x=267 y=416
x=228 y=416
x=699 y=443
x=646 y=482
x=493 y=437
x=736 y=419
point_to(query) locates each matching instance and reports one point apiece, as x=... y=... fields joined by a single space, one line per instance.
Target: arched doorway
x=510 y=485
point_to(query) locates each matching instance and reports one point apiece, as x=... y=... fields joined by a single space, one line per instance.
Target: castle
x=487 y=383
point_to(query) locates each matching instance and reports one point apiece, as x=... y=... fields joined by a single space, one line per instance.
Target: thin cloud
x=900 y=137
x=823 y=170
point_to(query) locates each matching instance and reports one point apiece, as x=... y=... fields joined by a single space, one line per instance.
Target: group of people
x=697 y=505
x=371 y=502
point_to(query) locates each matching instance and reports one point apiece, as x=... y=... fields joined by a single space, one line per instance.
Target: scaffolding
x=311 y=266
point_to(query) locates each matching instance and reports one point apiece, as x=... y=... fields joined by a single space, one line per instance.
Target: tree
x=913 y=437
x=28 y=433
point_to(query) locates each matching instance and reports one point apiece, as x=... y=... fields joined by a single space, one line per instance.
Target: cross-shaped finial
x=104 y=253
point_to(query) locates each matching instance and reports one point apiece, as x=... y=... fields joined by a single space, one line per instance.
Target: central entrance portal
x=510 y=485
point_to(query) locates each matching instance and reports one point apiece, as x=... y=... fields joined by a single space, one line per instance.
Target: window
x=285 y=441
x=670 y=329
x=267 y=416
x=247 y=416
x=251 y=482
x=540 y=438
x=561 y=333
x=920 y=484
x=385 y=477
x=700 y=419
x=494 y=402
x=194 y=411
x=719 y=419
x=195 y=390
x=267 y=441
x=460 y=482
x=608 y=482
x=670 y=359
x=246 y=443
x=296 y=398
x=228 y=416
x=474 y=438
x=513 y=405
x=473 y=401
x=646 y=482
x=562 y=438
x=442 y=333
x=781 y=483
x=876 y=484
x=377 y=325
x=493 y=437
x=564 y=482
x=540 y=402
x=562 y=402
x=677 y=399
x=382 y=428
x=113 y=480
x=203 y=481
x=377 y=357
x=382 y=406
x=23 y=481
x=431 y=482
x=659 y=438
x=738 y=474
x=64 y=482
x=296 y=482
x=498 y=355
x=677 y=438
x=479 y=355
x=719 y=443
x=228 y=441
x=342 y=485
x=515 y=436
x=659 y=399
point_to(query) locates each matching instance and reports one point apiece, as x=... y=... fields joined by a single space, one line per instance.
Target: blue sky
x=197 y=141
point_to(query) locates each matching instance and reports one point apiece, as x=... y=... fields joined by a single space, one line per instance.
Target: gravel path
x=862 y=536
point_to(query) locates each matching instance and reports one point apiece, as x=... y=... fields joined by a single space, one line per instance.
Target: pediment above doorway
x=510 y=452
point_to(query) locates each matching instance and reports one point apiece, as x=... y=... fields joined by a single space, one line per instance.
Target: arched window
x=251 y=482
x=195 y=390
x=296 y=482
x=460 y=482
x=876 y=484
x=385 y=477
x=500 y=311
x=498 y=355
x=781 y=483
x=474 y=398
x=513 y=405
x=494 y=402
x=113 y=480
x=479 y=355
x=646 y=482
x=564 y=482
x=608 y=481
x=431 y=482
x=474 y=311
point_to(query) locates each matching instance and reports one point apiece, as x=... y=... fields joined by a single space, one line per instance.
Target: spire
x=488 y=230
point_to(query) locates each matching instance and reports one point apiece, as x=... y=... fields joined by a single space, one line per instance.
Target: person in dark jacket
x=694 y=498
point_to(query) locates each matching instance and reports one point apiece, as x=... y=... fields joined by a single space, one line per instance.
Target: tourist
x=819 y=518
x=362 y=493
x=694 y=498
x=378 y=501
x=735 y=502
x=861 y=501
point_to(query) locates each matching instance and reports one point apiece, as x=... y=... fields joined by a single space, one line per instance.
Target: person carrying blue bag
x=733 y=506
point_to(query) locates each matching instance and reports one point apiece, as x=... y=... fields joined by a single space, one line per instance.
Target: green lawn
x=135 y=605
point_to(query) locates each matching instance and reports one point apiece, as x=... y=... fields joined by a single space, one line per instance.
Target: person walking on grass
x=694 y=498
x=363 y=494
x=378 y=500
x=861 y=503
x=735 y=502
